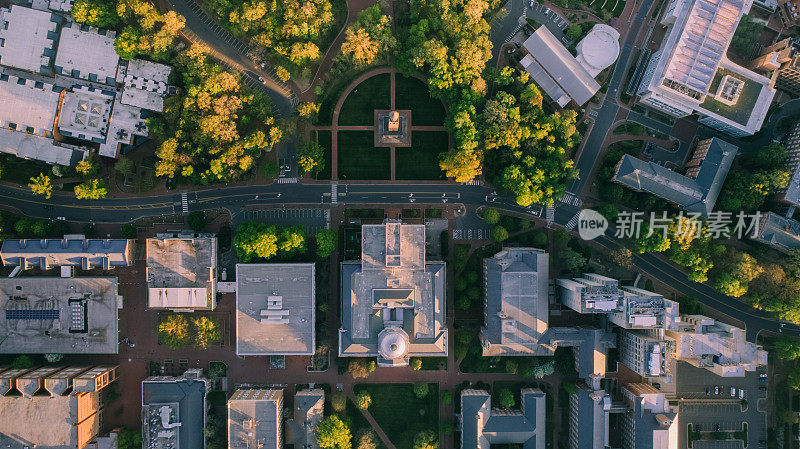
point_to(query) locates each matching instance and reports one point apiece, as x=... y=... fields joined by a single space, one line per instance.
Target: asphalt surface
x=503 y=29
x=298 y=196
x=604 y=117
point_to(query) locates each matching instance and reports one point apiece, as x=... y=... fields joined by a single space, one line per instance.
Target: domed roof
x=600 y=48
x=392 y=343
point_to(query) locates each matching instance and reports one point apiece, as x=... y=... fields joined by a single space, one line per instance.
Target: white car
x=546 y=11
x=741 y=394
x=733 y=392
x=530 y=5
x=716 y=390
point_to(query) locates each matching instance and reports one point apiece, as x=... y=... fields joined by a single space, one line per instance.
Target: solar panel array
x=704 y=41
x=31 y=314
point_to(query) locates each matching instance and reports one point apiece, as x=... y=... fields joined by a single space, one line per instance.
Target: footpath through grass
x=400 y=413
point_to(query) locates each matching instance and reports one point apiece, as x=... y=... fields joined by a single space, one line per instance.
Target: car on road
x=762 y=377
x=733 y=392
x=716 y=390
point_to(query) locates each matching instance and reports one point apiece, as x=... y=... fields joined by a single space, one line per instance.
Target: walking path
x=375 y=426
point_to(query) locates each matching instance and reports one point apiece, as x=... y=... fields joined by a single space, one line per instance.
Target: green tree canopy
x=255 y=241
x=506 y=398
x=93 y=189
x=207 y=330
x=173 y=331
x=427 y=439
x=326 y=242
x=311 y=157
x=41 y=185
x=363 y=400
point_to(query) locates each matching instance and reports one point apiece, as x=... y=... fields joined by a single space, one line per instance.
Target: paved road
x=604 y=118
x=238 y=199
x=503 y=29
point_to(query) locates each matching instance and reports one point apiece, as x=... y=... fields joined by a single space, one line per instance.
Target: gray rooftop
x=483 y=426
x=694 y=195
x=778 y=231
x=28 y=38
x=554 y=65
x=589 y=418
x=254 y=419
x=169 y=400
x=516 y=302
x=309 y=406
x=181 y=272
x=393 y=287
x=275 y=309
x=72 y=250
x=87 y=53
x=59 y=315
x=28 y=106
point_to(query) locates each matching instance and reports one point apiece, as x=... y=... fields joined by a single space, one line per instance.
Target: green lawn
x=411 y=93
x=19 y=170
x=324 y=139
x=401 y=414
x=359 y=107
x=359 y=159
x=421 y=159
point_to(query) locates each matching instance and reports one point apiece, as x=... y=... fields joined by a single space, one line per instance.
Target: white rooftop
x=29 y=146
x=85 y=113
x=145 y=84
x=28 y=35
x=87 y=53
x=599 y=49
x=27 y=103
x=126 y=122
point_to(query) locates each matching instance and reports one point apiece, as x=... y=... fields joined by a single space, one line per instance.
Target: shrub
x=270 y=169
x=338 y=402
x=499 y=234
x=491 y=216
x=22 y=362
x=366 y=439
x=461 y=284
x=512 y=367
x=463 y=302
x=360 y=368
x=53 y=358
x=446 y=397
x=505 y=398
x=421 y=390
x=129 y=231
x=427 y=439
x=416 y=363
x=363 y=400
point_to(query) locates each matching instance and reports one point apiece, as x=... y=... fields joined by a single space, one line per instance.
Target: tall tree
x=41 y=185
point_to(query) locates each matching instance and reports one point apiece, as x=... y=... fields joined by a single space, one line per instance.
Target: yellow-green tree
x=93 y=189
x=333 y=433
x=207 y=331
x=87 y=167
x=41 y=185
x=173 y=331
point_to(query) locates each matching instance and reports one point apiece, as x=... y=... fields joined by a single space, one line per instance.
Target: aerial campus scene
x=400 y=224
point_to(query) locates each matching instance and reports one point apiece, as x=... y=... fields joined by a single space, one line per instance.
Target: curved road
x=236 y=199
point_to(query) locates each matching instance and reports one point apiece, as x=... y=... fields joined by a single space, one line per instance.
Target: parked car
x=708 y=391
x=546 y=11
x=531 y=4
x=517 y=44
x=741 y=394
x=716 y=390
x=733 y=392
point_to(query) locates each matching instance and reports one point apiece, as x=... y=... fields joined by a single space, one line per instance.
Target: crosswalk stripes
x=474 y=182
x=573 y=222
x=185 y=202
x=550 y=214
x=334 y=192
x=287 y=180
x=569 y=198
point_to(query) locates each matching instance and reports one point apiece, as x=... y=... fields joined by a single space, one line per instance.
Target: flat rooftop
x=85 y=113
x=275 y=309
x=75 y=315
x=87 y=53
x=181 y=272
x=28 y=106
x=254 y=419
x=145 y=84
x=169 y=400
x=43 y=421
x=393 y=286
x=71 y=250
x=29 y=146
x=28 y=39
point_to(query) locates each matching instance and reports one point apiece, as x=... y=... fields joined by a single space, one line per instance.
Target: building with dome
x=599 y=49
x=393 y=299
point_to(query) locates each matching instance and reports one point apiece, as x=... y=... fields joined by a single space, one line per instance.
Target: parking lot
x=711 y=410
x=312 y=219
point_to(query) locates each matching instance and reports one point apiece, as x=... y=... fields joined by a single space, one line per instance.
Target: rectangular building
x=182 y=272
x=72 y=250
x=646 y=353
x=696 y=191
x=254 y=419
x=393 y=300
x=52 y=418
x=778 y=232
x=588 y=418
x=691 y=74
x=516 y=291
x=651 y=422
x=309 y=407
x=77 y=315
x=275 y=309
x=174 y=411
x=87 y=53
x=27 y=38
x=145 y=84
